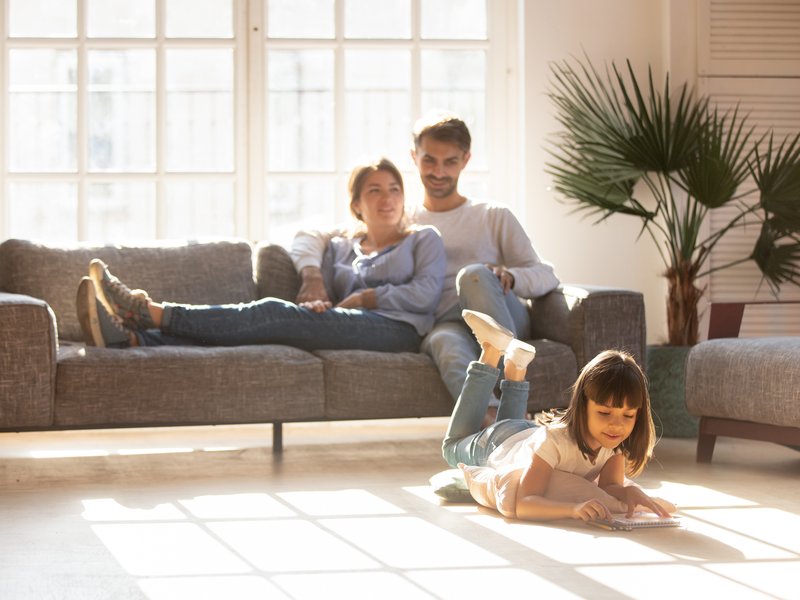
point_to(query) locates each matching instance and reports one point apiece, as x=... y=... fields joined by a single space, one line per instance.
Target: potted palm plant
x=668 y=158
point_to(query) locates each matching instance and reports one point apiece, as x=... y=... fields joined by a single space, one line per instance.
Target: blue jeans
x=275 y=321
x=451 y=344
x=464 y=441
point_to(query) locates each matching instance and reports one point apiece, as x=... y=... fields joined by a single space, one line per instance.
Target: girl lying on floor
x=573 y=466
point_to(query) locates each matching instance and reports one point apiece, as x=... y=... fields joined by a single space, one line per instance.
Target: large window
x=129 y=120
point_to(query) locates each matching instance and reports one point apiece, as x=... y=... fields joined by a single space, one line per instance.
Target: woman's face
x=381 y=201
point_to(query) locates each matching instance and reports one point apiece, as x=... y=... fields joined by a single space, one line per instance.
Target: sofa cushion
x=191 y=272
x=185 y=385
x=275 y=273
x=361 y=384
x=551 y=375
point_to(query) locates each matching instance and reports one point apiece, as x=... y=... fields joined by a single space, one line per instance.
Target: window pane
x=196 y=210
x=300 y=19
x=121 y=212
x=454 y=19
x=378 y=103
x=199 y=110
x=44 y=211
x=42 y=110
x=42 y=18
x=455 y=80
x=122 y=110
x=199 y=18
x=300 y=125
x=121 y=18
x=363 y=20
x=295 y=205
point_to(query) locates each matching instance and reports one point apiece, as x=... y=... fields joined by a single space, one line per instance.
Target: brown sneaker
x=99 y=328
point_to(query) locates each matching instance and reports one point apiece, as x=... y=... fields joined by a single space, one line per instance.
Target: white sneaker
x=520 y=353
x=486 y=329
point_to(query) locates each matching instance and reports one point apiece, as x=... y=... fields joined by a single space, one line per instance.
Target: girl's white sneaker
x=486 y=329
x=520 y=353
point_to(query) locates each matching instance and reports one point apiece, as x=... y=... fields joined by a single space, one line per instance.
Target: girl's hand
x=634 y=497
x=591 y=510
x=317 y=306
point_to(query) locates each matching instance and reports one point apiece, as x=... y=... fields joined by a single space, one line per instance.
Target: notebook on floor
x=639 y=520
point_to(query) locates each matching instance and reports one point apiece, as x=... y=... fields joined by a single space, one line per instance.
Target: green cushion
x=451 y=486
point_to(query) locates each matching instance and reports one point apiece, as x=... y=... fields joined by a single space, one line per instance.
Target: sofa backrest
x=275 y=273
x=215 y=272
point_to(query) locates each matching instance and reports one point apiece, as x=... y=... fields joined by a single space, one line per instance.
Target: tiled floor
x=209 y=513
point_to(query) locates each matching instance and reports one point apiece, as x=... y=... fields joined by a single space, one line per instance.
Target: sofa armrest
x=28 y=350
x=591 y=319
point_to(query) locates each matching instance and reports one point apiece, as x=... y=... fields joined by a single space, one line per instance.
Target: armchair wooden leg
x=705 y=447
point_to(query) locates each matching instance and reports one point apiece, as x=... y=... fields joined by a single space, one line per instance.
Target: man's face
x=439 y=164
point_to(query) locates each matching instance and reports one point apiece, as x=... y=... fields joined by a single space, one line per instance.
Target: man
x=490 y=258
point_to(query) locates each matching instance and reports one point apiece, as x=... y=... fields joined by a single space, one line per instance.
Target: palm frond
x=778 y=262
x=777 y=175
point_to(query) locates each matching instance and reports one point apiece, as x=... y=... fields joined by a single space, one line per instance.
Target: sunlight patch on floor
x=778 y=578
x=237 y=506
x=575 y=547
x=242 y=587
x=109 y=509
x=460 y=584
x=161 y=549
x=667 y=582
x=772 y=526
x=411 y=543
x=353 y=586
x=339 y=503
x=695 y=496
x=289 y=545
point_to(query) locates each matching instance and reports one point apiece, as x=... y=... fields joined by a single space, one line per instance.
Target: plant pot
x=666 y=371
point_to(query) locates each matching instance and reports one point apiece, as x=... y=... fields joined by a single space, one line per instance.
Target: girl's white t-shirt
x=555 y=446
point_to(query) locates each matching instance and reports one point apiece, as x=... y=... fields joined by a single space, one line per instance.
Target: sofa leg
x=277 y=437
x=705 y=446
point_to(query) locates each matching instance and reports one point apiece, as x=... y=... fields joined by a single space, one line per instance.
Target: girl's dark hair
x=614 y=379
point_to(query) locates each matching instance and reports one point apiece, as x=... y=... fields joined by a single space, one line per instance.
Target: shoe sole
x=96 y=270
x=87 y=314
x=490 y=330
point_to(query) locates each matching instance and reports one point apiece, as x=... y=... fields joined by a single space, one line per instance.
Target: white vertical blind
x=749 y=56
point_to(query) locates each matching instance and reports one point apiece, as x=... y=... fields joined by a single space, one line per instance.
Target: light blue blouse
x=407 y=277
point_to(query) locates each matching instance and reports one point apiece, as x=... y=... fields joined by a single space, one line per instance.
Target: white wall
x=639 y=30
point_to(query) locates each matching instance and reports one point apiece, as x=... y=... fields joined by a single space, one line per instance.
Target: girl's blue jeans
x=275 y=321
x=464 y=441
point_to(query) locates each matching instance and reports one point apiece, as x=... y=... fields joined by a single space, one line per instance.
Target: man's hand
x=504 y=276
x=312 y=289
x=317 y=306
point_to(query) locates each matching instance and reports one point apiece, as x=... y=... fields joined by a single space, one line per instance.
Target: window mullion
x=416 y=62
x=82 y=125
x=161 y=122
x=339 y=103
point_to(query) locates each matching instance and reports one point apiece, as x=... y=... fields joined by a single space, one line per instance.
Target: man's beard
x=441 y=192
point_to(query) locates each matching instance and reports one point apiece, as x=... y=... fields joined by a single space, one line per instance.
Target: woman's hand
x=634 y=497
x=317 y=306
x=362 y=299
x=591 y=510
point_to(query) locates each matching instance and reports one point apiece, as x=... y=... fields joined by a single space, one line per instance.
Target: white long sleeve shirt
x=475 y=232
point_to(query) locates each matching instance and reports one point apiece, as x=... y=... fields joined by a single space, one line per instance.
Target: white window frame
x=504 y=123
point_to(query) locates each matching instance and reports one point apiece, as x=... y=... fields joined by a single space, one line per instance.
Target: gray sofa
x=50 y=380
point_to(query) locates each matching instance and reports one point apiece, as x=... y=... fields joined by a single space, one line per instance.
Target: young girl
x=386 y=280
x=605 y=434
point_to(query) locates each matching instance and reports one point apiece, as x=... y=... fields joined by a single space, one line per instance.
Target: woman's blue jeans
x=464 y=441
x=275 y=321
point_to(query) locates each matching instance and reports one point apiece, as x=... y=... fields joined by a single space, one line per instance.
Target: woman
x=385 y=281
